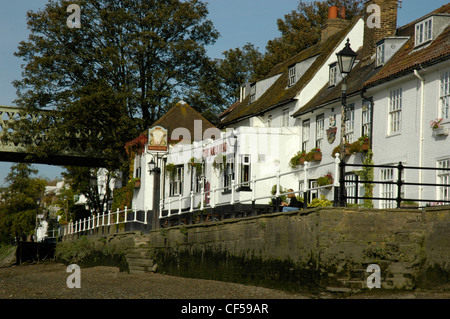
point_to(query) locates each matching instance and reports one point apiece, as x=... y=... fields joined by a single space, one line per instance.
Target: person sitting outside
x=293 y=202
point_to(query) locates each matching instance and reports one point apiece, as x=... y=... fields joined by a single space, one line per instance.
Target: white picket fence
x=101 y=220
x=176 y=206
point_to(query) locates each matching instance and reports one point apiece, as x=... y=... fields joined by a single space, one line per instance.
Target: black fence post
x=399 y=183
x=342 y=197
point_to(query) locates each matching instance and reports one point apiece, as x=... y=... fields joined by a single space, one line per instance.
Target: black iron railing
x=399 y=182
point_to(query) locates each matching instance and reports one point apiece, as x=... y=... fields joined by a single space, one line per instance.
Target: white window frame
x=395 y=111
x=443 y=177
x=380 y=54
x=138 y=166
x=350 y=123
x=424 y=31
x=366 y=116
x=196 y=186
x=333 y=74
x=320 y=126
x=228 y=176
x=245 y=176
x=252 y=93
x=305 y=134
x=387 y=191
x=176 y=184
x=292 y=76
x=444 y=95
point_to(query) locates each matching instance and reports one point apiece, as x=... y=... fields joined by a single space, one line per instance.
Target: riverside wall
x=309 y=250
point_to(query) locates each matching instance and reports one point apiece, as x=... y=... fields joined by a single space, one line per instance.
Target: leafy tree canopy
x=114 y=76
x=18 y=202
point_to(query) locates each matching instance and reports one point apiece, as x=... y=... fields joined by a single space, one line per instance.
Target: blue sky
x=238 y=21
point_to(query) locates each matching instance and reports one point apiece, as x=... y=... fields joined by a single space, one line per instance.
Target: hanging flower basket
x=297 y=159
x=137 y=183
x=314 y=155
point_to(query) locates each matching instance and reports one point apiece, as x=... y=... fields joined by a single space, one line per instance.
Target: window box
x=441 y=131
x=137 y=183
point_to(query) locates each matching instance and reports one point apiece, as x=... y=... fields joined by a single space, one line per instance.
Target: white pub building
x=285 y=131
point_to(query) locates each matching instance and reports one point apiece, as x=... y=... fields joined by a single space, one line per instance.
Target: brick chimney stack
x=388 y=25
x=335 y=23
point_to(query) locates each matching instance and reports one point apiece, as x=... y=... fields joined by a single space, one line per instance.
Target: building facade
x=398 y=86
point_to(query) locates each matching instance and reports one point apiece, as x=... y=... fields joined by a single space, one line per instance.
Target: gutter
x=422 y=100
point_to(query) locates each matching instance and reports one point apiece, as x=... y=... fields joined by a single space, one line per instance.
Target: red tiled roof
x=410 y=58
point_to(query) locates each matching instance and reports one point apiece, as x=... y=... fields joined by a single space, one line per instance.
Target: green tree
x=237 y=68
x=114 y=76
x=300 y=29
x=18 y=206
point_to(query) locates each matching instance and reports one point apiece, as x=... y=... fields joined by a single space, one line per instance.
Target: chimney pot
x=332 y=12
x=342 y=12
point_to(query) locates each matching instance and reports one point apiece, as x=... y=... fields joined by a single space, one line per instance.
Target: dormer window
x=292 y=72
x=424 y=31
x=333 y=74
x=252 y=93
x=380 y=54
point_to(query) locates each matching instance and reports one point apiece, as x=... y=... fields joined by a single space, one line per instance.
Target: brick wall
x=388 y=22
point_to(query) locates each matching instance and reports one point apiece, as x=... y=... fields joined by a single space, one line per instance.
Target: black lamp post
x=346 y=58
x=156 y=171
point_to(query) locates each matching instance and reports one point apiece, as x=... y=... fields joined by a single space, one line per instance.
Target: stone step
x=353 y=284
x=132 y=269
x=140 y=262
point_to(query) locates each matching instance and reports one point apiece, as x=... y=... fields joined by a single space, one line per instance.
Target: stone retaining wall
x=309 y=250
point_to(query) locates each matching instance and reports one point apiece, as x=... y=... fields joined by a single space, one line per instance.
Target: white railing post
x=103 y=219
x=213 y=197
x=98 y=220
x=232 y=192
x=117 y=220
x=202 y=197
x=84 y=224
x=192 y=202
x=135 y=214
x=109 y=218
x=169 y=207
x=253 y=183
x=278 y=183
x=337 y=161
x=125 y=220
x=305 y=180
x=179 y=204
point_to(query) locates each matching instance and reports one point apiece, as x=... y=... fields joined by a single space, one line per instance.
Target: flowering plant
x=436 y=124
x=136 y=146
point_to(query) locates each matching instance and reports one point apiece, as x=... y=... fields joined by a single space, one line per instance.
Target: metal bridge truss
x=14 y=147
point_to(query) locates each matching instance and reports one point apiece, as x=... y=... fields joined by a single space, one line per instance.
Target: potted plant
x=337 y=149
x=325 y=180
x=170 y=169
x=365 y=143
x=197 y=164
x=219 y=162
x=297 y=159
x=316 y=154
x=437 y=127
x=137 y=183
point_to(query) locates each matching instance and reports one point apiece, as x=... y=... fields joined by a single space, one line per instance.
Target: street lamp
x=153 y=168
x=346 y=58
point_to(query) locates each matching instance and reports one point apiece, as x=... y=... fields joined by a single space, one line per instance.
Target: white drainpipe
x=422 y=97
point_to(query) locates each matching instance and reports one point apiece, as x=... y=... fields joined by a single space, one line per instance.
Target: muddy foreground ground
x=49 y=281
